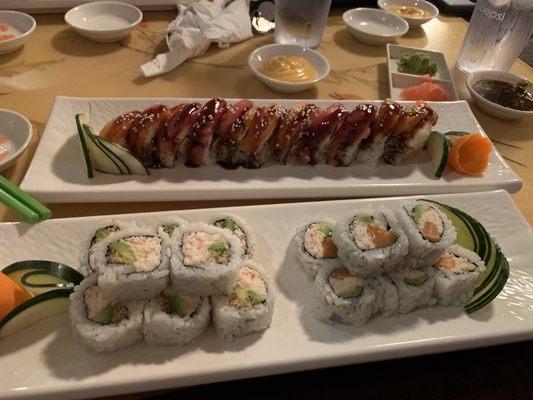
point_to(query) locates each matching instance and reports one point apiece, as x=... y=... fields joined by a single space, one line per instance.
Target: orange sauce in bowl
x=409 y=11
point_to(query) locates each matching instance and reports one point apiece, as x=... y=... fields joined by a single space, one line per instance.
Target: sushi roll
x=415 y=288
x=341 y=297
x=388 y=296
x=429 y=231
x=370 y=242
x=248 y=306
x=96 y=236
x=166 y=230
x=132 y=264
x=457 y=273
x=101 y=323
x=175 y=318
x=205 y=259
x=315 y=247
x=240 y=228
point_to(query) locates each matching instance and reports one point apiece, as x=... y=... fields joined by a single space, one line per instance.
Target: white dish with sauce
x=15 y=136
x=429 y=9
x=374 y=27
x=106 y=21
x=316 y=60
x=18 y=24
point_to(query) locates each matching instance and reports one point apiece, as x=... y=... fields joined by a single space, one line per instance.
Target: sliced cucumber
x=84 y=147
x=438 y=146
x=132 y=163
x=42 y=306
x=473 y=236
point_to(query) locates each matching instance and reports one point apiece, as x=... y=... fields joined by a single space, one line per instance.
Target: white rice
x=388 y=296
x=245 y=234
x=411 y=296
x=370 y=156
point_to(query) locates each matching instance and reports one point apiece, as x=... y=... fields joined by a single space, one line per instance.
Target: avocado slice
x=325 y=229
x=226 y=223
x=417 y=212
x=170 y=228
x=105 y=316
x=248 y=297
x=256 y=297
x=416 y=280
x=364 y=219
x=219 y=247
x=178 y=305
x=357 y=291
x=241 y=292
x=100 y=235
x=123 y=252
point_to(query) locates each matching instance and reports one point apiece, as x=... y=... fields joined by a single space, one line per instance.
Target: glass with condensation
x=301 y=22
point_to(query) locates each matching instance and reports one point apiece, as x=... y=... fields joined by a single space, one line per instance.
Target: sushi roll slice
x=205 y=259
x=175 y=318
x=341 y=297
x=248 y=306
x=240 y=228
x=100 y=322
x=429 y=231
x=315 y=247
x=388 y=295
x=415 y=288
x=132 y=264
x=166 y=230
x=457 y=273
x=370 y=242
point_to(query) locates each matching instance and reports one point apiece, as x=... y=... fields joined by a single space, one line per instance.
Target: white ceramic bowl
x=488 y=106
x=262 y=54
x=17 y=129
x=105 y=21
x=20 y=24
x=412 y=21
x=373 y=26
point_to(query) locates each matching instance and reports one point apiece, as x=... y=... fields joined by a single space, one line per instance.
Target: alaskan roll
x=240 y=228
x=429 y=231
x=101 y=323
x=315 y=247
x=370 y=241
x=205 y=259
x=457 y=273
x=415 y=288
x=341 y=297
x=248 y=306
x=175 y=318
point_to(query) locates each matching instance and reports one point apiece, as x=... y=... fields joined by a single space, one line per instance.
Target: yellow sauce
x=288 y=69
x=408 y=11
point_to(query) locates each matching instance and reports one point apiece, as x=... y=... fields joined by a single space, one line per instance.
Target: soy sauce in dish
x=505 y=94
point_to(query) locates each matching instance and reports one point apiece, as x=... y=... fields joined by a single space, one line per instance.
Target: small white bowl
x=412 y=21
x=20 y=24
x=488 y=106
x=17 y=129
x=264 y=53
x=373 y=26
x=105 y=21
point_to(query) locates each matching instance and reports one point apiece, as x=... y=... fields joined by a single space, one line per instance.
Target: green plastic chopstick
x=22 y=202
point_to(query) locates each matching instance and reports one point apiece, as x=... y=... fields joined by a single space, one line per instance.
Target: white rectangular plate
x=45 y=362
x=57 y=172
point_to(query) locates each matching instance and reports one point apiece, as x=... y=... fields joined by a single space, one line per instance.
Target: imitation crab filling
x=102 y=309
x=202 y=248
x=457 y=265
x=372 y=233
x=143 y=253
x=229 y=224
x=179 y=304
x=344 y=284
x=318 y=241
x=428 y=222
x=249 y=290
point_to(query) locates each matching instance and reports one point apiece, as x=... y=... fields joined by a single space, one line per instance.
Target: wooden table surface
x=57 y=61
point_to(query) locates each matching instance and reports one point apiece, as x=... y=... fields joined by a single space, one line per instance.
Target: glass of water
x=301 y=22
x=498 y=31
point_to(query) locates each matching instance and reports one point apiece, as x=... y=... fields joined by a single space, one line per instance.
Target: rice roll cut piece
x=101 y=323
x=175 y=318
x=248 y=306
x=240 y=228
x=415 y=288
x=370 y=242
x=388 y=295
x=429 y=231
x=132 y=264
x=341 y=297
x=166 y=229
x=205 y=259
x=457 y=273
x=315 y=247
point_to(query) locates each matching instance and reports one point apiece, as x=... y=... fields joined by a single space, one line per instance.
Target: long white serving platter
x=44 y=362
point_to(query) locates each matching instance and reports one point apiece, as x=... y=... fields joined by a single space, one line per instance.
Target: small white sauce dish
x=264 y=53
x=412 y=21
x=374 y=27
x=488 y=106
x=105 y=21
x=17 y=130
x=19 y=24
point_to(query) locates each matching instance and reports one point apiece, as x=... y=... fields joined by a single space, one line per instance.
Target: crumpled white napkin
x=196 y=27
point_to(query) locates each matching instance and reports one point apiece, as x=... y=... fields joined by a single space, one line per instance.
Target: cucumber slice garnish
x=438 y=146
x=84 y=147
